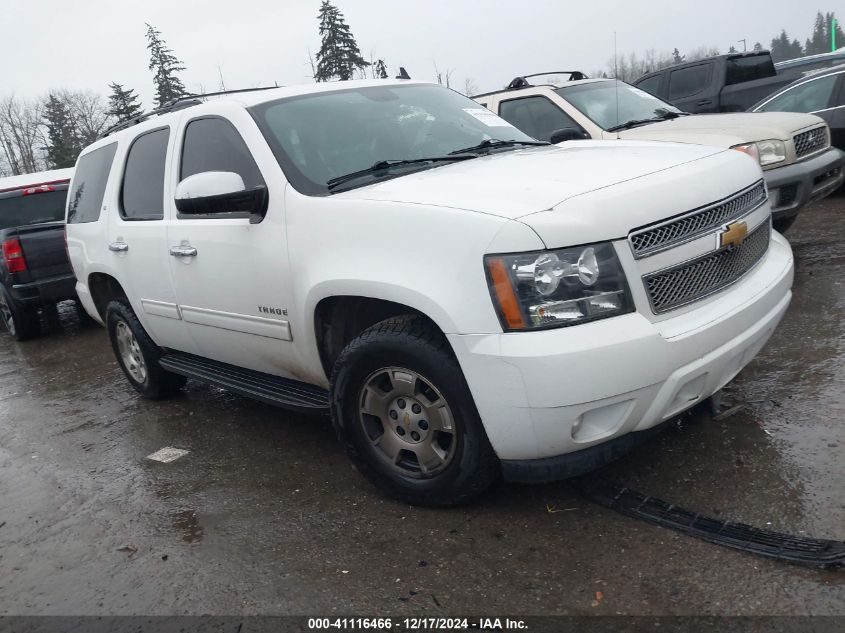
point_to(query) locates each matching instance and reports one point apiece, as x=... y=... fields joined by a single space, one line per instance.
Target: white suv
x=465 y=304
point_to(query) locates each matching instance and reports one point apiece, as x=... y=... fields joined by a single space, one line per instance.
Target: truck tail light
x=13 y=256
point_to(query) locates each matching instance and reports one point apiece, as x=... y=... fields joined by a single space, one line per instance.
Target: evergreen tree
x=757 y=47
x=164 y=65
x=339 y=55
x=380 y=69
x=783 y=49
x=677 y=58
x=818 y=40
x=123 y=103
x=63 y=144
x=839 y=40
x=732 y=50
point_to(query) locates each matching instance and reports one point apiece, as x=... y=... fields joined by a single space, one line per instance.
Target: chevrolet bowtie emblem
x=733 y=235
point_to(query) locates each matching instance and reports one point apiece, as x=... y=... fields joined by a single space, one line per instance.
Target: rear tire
x=138 y=355
x=403 y=410
x=21 y=321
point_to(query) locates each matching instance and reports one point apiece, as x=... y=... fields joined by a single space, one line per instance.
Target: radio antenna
x=616 y=80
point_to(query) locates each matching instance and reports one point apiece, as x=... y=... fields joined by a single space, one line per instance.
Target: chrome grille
x=810 y=141
x=658 y=237
x=695 y=279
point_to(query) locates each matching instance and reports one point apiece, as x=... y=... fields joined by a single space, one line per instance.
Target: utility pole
x=744 y=47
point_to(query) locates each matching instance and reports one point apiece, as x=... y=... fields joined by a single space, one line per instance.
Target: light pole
x=744 y=47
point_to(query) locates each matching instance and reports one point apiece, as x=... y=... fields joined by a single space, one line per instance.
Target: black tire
x=412 y=342
x=156 y=383
x=21 y=321
x=781 y=225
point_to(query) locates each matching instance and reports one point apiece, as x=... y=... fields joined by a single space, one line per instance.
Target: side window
x=142 y=192
x=536 y=116
x=650 y=85
x=213 y=144
x=89 y=185
x=686 y=82
x=807 y=97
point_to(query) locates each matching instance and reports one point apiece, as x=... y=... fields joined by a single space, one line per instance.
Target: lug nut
x=415 y=436
x=415 y=408
x=393 y=414
x=401 y=403
x=423 y=425
x=400 y=430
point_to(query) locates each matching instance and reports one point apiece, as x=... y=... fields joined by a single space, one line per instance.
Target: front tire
x=402 y=408
x=21 y=321
x=137 y=354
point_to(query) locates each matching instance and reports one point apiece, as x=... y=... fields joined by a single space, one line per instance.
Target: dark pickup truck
x=726 y=83
x=34 y=267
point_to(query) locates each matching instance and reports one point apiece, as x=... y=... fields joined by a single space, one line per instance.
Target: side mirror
x=568 y=134
x=216 y=192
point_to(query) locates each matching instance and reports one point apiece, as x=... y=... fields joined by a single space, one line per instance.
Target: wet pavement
x=265 y=515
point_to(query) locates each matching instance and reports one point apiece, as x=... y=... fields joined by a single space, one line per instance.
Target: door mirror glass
x=219 y=192
x=568 y=134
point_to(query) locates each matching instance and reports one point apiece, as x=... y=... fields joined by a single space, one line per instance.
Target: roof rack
x=179 y=103
x=522 y=82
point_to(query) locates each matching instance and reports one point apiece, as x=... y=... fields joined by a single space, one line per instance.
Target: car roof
x=35 y=179
x=566 y=84
x=809 y=59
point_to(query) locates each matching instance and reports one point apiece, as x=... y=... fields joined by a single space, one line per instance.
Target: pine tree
x=783 y=49
x=164 y=65
x=339 y=55
x=380 y=69
x=677 y=57
x=839 y=40
x=123 y=103
x=757 y=47
x=63 y=145
x=819 y=41
x=732 y=50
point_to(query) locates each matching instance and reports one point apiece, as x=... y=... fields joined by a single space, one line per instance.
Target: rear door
x=231 y=273
x=690 y=88
x=137 y=237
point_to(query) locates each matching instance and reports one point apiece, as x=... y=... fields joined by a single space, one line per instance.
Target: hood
x=520 y=182
x=725 y=130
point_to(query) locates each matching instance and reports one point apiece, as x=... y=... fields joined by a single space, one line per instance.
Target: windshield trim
x=560 y=91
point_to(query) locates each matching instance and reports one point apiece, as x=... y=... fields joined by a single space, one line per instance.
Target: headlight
x=766 y=152
x=546 y=289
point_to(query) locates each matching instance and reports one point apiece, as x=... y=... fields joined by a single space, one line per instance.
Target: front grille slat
x=695 y=279
x=810 y=142
x=656 y=238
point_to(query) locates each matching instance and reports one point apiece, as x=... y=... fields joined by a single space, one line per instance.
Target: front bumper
x=794 y=186
x=45 y=291
x=554 y=393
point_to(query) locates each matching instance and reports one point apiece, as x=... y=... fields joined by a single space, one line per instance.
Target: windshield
x=611 y=103
x=19 y=210
x=320 y=137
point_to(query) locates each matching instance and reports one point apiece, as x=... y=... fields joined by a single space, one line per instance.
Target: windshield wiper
x=386 y=165
x=493 y=144
x=663 y=116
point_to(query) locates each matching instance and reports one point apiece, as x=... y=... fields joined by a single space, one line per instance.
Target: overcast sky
x=84 y=44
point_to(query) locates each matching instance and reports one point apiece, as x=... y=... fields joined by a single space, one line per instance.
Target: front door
x=229 y=270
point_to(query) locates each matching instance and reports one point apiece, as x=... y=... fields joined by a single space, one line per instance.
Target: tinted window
x=650 y=85
x=688 y=81
x=214 y=145
x=142 y=194
x=89 y=185
x=536 y=116
x=807 y=97
x=19 y=210
x=742 y=69
x=609 y=103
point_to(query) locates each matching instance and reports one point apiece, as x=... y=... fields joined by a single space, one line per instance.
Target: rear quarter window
x=89 y=185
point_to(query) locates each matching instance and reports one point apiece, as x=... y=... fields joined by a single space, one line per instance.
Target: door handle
x=183 y=251
x=118 y=247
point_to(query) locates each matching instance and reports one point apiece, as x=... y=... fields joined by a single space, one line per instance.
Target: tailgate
x=44 y=249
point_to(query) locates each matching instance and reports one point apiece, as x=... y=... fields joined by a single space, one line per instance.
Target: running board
x=280 y=392
x=795 y=549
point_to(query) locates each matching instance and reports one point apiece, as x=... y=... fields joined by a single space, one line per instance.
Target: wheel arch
x=104 y=288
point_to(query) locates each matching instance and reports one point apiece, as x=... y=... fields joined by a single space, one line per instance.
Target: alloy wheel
x=130 y=352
